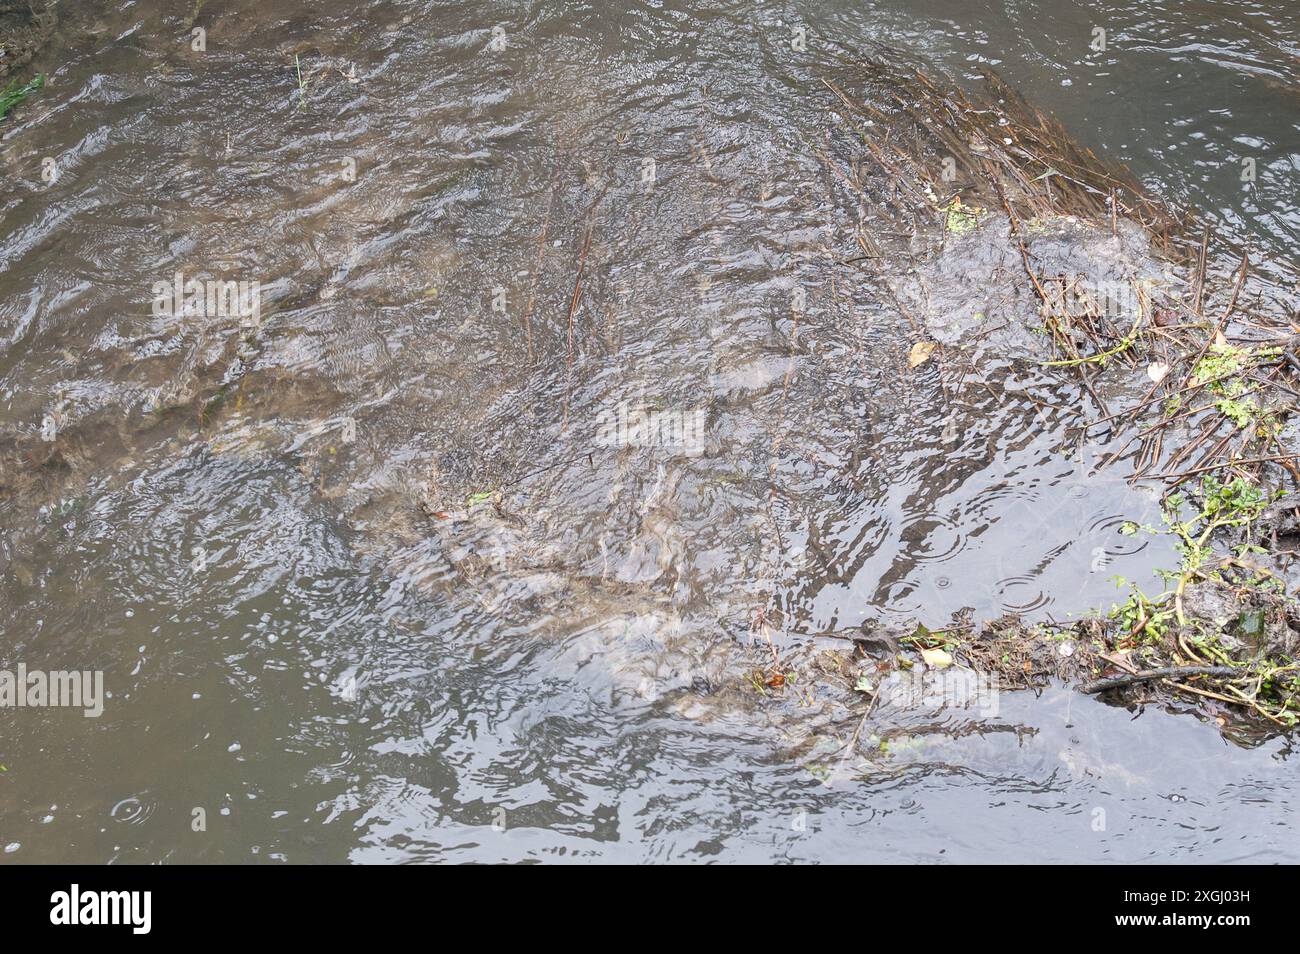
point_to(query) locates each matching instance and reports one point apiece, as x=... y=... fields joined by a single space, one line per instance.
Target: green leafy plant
x=1217 y=368
x=1236 y=503
x=13 y=94
x=1241 y=413
x=1223 y=505
x=1140 y=615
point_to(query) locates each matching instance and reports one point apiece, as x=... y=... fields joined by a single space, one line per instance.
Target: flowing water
x=565 y=400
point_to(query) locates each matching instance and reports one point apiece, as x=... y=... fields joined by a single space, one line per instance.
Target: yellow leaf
x=920 y=353
x=937 y=658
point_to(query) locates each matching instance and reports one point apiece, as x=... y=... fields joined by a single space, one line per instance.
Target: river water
x=380 y=572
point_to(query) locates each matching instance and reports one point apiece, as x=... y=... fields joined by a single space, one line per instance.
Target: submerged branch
x=1167 y=672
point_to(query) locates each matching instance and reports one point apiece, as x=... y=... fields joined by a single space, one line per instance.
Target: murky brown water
x=479 y=251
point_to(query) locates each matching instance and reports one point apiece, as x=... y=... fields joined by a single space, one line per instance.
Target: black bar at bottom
x=336 y=905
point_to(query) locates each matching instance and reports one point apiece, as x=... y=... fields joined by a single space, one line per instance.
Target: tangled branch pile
x=1215 y=350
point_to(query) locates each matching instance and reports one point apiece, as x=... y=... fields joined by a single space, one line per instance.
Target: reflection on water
x=561 y=379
